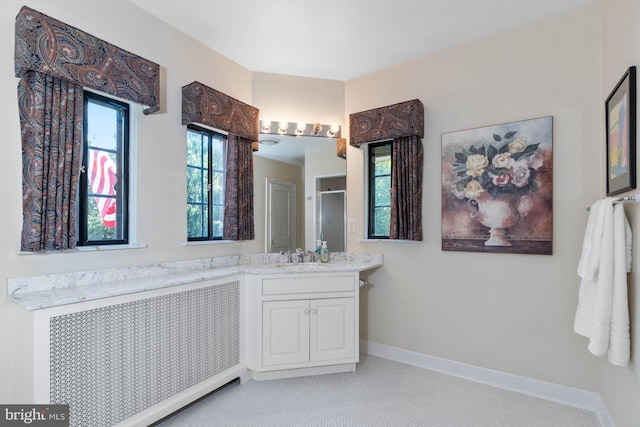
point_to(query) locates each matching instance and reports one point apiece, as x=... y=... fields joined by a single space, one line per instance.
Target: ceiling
x=340 y=39
x=343 y=39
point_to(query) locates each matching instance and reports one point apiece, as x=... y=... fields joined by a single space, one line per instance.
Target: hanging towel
x=603 y=313
x=590 y=257
x=620 y=340
x=588 y=267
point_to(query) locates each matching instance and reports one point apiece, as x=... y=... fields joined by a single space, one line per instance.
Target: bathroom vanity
x=170 y=333
x=302 y=324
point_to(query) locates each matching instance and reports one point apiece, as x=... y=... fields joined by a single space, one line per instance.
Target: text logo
x=34 y=415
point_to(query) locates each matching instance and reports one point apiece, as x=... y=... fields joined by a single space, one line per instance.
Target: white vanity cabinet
x=303 y=324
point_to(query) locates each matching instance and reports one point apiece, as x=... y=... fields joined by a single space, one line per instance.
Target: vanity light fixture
x=333 y=131
x=283 y=127
x=299 y=128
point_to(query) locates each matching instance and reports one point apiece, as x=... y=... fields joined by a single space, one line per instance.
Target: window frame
x=122 y=174
x=211 y=135
x=370 y=180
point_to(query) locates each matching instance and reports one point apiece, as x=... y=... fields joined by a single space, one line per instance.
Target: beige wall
x=160 y=145
x=620 y=387
x=298 y=99
x=508 y=312
x=511 y=313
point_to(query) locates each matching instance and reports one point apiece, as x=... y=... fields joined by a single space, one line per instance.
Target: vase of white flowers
x=498 y=180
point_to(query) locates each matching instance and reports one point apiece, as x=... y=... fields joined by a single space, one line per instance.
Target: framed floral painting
x=497 y=188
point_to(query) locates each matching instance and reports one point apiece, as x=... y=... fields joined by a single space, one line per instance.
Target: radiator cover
x=113 y=362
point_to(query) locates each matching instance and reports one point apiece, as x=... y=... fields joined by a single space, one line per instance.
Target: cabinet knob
x=314 y=311
x=306 y=311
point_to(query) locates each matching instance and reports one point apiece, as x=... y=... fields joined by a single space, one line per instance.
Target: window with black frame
x=205 y=183
x=379 y=190
x=103 y=202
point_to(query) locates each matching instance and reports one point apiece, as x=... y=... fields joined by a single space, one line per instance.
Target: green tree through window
x=379 y=190
x=205 y=184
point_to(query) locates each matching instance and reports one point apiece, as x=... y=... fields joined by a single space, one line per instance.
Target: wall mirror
x=305 y=199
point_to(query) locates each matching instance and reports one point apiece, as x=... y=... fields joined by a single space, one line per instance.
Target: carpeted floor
x=380 y=393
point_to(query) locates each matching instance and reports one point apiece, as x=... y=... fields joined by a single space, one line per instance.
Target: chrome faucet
x=289 y=256
x=300 y=255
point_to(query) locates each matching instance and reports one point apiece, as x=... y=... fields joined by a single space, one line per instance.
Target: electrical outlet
x=351 y=225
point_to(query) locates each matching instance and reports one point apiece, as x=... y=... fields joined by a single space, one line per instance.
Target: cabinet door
x=332 y=329
x=285 y=332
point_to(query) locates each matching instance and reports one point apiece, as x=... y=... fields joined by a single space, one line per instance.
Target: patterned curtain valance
x=390 y=122
x=202 y=104
x=52 y=47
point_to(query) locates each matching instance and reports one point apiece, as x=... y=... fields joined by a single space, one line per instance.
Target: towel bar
x=634 y=198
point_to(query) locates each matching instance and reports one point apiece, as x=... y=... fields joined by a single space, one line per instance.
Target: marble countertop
x=39 y=292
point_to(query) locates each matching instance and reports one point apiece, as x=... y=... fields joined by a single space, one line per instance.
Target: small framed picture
x=620 y=109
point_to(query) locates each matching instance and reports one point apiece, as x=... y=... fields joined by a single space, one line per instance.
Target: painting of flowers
x=497 y=188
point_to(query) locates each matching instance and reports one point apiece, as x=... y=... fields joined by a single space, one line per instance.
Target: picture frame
x=497 y=188
x=620 y=119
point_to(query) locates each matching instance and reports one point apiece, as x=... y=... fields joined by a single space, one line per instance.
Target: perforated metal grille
x=110 y=363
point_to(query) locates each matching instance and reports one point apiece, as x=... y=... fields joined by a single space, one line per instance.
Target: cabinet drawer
x=301 y=285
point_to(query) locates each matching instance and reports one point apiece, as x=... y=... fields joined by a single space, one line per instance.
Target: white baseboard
x=558 y=393
x=172 y=404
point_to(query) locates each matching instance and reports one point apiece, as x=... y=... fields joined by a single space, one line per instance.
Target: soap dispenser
x=324 y=252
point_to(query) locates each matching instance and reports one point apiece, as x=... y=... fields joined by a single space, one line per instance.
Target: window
x=379 y=190
x=103 y=201
x=205 y=184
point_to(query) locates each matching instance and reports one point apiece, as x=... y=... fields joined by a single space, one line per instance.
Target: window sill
x=388 y=241
x=209 y=242
x=86 y=249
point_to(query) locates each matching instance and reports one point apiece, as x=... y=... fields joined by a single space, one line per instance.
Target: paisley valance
x=205 y=105
x=46 y=45
x=390 y=122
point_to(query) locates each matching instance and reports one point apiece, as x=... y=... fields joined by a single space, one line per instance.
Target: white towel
x=590 y=257
x=620 y=341
x=603 y=313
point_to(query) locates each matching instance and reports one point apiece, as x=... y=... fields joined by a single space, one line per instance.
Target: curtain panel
x=406 y=190
x=47 y=45
x=202 y=104
x=55 y=62
x=238 y=199
x=51 y=126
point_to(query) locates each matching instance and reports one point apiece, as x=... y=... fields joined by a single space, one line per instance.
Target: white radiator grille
x=110 y=363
